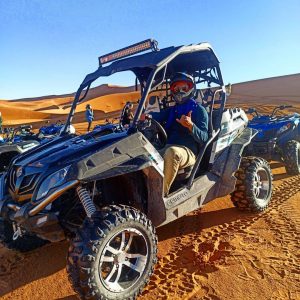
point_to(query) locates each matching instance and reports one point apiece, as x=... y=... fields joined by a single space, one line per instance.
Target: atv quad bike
x=105 y=193
x=114 y=125
x=278 y=138
x=109 y=127
x=51 y=130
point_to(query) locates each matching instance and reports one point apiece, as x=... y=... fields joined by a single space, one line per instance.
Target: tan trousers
x=175 y=158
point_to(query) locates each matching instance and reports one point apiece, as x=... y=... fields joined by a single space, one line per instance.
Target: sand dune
x=269 y=91
x=213 y=253
x=106 y=99
x=104 y=89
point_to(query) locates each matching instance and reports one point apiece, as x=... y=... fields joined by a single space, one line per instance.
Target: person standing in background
x=127 y=115
x=89 y=116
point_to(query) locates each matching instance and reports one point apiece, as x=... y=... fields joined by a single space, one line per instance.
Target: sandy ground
x=213 y=253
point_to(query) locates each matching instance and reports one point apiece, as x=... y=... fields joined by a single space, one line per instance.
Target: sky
x=47 y=47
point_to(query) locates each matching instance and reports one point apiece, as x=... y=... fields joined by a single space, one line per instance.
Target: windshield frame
x=146 y=87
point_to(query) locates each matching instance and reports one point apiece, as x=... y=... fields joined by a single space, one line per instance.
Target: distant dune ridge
x=101 y=90
x=268 y=91
x=107 y=101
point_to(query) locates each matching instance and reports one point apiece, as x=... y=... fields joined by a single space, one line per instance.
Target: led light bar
x=127 y=51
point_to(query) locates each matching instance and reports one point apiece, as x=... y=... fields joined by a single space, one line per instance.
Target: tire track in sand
x=284 y=222
x=185 y=270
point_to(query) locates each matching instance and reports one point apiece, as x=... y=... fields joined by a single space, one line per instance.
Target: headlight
x=52 y=181
x=284 y=128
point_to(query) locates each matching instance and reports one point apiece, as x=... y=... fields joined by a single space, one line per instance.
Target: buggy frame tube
x=145 y=91
x=149 y=83
x=145 y=94
x=199 y=159
x=77 y=99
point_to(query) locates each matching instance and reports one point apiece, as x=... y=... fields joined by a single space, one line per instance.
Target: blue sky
x=47 y=47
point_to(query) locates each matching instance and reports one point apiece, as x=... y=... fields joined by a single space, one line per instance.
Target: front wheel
x=253 y=188
x=292 y=157
x=113 y=254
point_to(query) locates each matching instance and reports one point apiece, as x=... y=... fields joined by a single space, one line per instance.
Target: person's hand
x=186 y=121
x=143 y=117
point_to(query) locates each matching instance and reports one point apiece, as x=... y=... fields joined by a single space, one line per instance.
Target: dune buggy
x=278 y=138
x=105 y=192
x=22 y=139
x=16 y=140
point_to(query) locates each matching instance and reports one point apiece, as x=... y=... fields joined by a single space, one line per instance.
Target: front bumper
x=31 y=217
x=266 y=150
x=30 y=209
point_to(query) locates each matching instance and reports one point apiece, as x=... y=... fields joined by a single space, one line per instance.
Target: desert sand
x=214 y=253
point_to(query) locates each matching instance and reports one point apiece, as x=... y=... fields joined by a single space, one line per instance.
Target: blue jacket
x=89 y=115
x=180 y=135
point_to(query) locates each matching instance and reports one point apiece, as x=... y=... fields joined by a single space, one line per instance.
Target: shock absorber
x=86 y=201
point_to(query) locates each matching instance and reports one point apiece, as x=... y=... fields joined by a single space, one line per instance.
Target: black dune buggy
x=22 y=139
x=17 y=140
x=105 y=193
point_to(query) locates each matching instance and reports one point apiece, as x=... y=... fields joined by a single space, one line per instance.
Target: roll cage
x=153 y=71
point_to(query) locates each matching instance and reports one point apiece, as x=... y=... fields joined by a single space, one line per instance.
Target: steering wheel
x=154 y=132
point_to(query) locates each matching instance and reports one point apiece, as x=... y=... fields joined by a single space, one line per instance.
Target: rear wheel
x=23 y=243
x=253 y=188
x=113 y=254
x=292 y=157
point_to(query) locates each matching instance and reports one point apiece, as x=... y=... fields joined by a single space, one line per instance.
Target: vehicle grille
x=25 y=185
x=270 y=133
x=12 y=180
x=28 y=184
x=261 y=149
x=265 y=135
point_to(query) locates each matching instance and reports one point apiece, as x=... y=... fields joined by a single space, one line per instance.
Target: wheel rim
x=262 y=184
x=123 y=260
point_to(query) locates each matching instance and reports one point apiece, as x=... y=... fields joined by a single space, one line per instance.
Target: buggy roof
x=189 y=59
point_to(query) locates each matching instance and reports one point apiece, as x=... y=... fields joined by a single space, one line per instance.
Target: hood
x=66 y=149
x=28 y=170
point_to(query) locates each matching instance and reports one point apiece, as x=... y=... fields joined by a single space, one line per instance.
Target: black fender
x=228 y=162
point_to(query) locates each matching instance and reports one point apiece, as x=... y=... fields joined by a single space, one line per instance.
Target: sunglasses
x=180 y=86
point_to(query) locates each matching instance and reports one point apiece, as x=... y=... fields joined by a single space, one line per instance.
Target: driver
x=186 y=126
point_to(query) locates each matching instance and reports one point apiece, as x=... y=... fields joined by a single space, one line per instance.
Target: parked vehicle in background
x=109 y=127
x=53 y=129
x=16 y=141
x=22 y=139
x=278 y=137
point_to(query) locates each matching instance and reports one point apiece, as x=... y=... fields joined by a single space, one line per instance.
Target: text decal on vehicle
x=173 y=201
